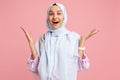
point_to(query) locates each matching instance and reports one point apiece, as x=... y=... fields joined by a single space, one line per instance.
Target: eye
x=51 y=13
x=59 y=13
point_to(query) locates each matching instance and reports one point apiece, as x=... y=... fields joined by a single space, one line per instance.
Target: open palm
x=27 y=34
x=90 y=34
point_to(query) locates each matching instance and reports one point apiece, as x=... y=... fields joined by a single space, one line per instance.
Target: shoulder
x=74 y=35
x=40 y=39
x=43 y=36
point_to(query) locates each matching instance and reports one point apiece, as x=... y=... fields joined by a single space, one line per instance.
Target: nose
x=54 y=16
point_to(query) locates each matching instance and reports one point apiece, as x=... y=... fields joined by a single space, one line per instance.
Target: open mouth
x=55 y=22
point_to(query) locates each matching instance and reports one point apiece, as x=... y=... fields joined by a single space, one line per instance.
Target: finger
x=90 y=33
x=95 y=31
x=23 y=29
x=92 y=30
x=29 y=35
x=26 y=33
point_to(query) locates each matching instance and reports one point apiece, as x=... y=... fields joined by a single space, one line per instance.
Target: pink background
x=103 y=49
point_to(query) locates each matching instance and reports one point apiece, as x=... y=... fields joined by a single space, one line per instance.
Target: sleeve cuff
x=33 y=63
x=84 y=57
x=83 y=63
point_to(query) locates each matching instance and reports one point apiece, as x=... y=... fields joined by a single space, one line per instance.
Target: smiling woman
x=59 y=53
x=55 y=16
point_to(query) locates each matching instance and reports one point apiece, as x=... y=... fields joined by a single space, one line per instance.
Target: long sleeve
x=83 y=63
x=33 y=64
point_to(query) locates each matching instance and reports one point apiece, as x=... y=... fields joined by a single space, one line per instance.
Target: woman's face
x=55 y=17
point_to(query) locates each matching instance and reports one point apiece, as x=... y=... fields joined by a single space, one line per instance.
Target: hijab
x=61 y=30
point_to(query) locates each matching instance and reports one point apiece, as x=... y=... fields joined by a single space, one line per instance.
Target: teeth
x=55 y=22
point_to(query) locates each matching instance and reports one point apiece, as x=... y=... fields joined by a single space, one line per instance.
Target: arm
x=83 y=40
x=83 y=61
x=81 y=45
x=33 y=50
x=34 y=58
x=33 y=63
x=31 y=43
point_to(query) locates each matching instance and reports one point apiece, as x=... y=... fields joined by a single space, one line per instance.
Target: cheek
x=49 y=19
x=62 y=18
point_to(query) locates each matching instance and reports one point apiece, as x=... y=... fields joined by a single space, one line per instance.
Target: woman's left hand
x=83 y=40
x=90 y=34
x=85 y=37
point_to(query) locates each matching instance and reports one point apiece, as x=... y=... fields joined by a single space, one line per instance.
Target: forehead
x=55 y=8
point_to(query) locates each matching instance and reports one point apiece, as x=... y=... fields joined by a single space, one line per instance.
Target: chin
x=55 y=27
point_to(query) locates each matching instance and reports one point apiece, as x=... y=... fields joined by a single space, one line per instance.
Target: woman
x=59 y=53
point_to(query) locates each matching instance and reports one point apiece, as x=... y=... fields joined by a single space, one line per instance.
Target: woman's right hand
x=31 y=43
x=27 y=34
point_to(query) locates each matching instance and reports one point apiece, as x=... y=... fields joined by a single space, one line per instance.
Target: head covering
x=61 y=29
x=64 y=14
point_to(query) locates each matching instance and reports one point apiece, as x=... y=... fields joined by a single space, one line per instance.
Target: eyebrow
x=57 y=11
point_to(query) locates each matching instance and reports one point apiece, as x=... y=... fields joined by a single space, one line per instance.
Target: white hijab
x=61 y=29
